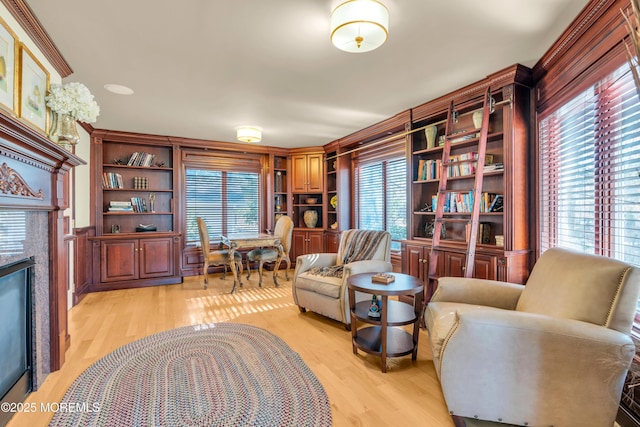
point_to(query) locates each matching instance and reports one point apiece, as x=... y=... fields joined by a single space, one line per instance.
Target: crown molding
x=28 y=21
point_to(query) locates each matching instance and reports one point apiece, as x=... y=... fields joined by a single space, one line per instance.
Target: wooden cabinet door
x=315 y=243
x=299 y=173
x=454 y=264
x=315 y=172
x=486 y=267
x=156 y=257
x=298 y=244
x=333 y=242
x=415 y=264
x=119 y=260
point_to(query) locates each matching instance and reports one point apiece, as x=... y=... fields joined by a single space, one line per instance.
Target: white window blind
x=229 y=202
x=381 y=191
x=13 y=229
x=590 y=171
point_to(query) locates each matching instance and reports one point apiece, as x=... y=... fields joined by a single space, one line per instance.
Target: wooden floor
x=360 y=394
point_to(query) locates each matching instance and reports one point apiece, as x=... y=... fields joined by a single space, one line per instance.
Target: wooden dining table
x=251 y=240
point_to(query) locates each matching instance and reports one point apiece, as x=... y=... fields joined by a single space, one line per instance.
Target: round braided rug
x=222 y=374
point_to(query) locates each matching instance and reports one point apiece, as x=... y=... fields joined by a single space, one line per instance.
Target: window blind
x=13 y=229
x=590 y=171
x=228 y=202
x=381 y=190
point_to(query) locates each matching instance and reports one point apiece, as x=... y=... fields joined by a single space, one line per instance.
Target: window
x=590 y=173
x=381 y=196
x=227 y=201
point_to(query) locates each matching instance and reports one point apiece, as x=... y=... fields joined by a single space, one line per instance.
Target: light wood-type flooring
x=360 y=394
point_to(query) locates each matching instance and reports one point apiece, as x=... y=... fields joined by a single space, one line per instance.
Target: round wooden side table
x=383 y=337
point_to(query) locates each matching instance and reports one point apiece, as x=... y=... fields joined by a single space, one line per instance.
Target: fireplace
x=16 y=361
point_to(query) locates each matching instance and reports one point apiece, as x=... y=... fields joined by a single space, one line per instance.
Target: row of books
x=141 y=159
x=462 y=165
x=137 y=204
x=463 y=202
x=112 y=180
x=484 y=233
x=119 y=206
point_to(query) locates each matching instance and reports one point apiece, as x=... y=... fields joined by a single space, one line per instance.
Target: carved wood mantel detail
x=12 y=184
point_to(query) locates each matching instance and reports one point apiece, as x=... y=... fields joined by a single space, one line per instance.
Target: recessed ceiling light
x=118 y=89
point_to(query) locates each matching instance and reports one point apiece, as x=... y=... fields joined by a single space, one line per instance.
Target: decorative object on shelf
x=359 y=25
x=278 y=206
x=115 y=228
x=146 y=227
x=477 y=119
x=431 y=132
x=278 y=184
x=152 y=202
x=499 y=240
x=375 y=308
x=334 y=225
x=430 y=226
x=632 y=57
x=249 y=134
x=311 y=200
x=310 y=218
x=69 y=103
x=383 y=278
x=335 y=165
x=334 y=201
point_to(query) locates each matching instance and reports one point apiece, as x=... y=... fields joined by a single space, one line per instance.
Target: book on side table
x=382 y=278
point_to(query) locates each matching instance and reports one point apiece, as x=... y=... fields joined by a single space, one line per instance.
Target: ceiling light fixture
x=249 y=134
x=359 y=25
x=118 y=89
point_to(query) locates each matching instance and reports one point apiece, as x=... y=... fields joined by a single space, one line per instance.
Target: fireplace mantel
x=34 y=175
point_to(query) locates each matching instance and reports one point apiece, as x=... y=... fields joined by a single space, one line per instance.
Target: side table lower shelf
x=369 y=340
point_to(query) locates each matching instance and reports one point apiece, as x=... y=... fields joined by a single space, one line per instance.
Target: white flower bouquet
x=75 y=100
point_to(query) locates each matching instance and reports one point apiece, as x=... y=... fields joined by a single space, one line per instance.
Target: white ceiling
x=199 y=68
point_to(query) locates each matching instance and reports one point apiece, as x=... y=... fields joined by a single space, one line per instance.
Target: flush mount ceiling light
x=249 y=134
x=359 y=25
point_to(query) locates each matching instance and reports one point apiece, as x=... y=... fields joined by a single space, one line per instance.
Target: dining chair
x=217 y=257
x=284 y=230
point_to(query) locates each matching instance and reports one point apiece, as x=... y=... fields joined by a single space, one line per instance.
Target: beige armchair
x=325 y=292
x=552 y=353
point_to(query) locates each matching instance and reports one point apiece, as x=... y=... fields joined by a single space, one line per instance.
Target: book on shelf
x=496 y=203
x=139 y=204
x=494 y=167
x=484 y=233
x=120 y=206
x=383 y=278
x=112 y=180
x=141 y=159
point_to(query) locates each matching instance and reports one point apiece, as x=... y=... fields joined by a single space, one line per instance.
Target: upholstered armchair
x=316 y=287
x=552 y=353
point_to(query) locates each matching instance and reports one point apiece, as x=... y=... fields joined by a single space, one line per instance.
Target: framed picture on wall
x=34 y=84
x=8 y=71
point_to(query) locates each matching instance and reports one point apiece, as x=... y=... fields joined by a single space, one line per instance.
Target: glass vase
x=64 y=131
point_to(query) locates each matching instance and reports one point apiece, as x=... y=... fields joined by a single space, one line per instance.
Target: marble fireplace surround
x=34 y=176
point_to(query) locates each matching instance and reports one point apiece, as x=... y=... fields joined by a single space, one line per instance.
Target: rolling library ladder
x=473 y=220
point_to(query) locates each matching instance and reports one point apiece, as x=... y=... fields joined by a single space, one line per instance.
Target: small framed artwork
x=8 y=70
x=34 y=84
